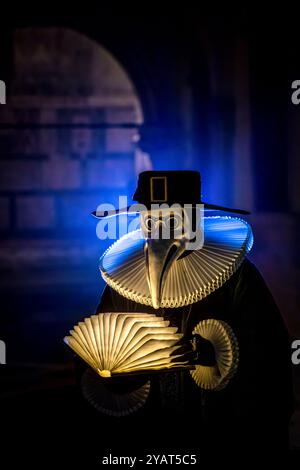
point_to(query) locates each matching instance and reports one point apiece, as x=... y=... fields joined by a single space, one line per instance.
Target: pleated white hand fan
x=226 y=349
x=110 y=402
x=123 y=343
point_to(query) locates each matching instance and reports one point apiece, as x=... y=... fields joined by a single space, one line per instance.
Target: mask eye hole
x=149 y=223
x=173 y=222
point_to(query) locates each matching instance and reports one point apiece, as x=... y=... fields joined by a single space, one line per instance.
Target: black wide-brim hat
x=168 y=187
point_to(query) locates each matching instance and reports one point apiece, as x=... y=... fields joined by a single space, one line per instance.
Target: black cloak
x=251 y=414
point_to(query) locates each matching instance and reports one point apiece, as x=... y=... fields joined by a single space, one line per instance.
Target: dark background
x=197 y=89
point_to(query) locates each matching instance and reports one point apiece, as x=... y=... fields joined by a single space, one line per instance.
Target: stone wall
x=52 y=177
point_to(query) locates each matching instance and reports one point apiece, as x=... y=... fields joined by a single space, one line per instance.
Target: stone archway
x=54 y=176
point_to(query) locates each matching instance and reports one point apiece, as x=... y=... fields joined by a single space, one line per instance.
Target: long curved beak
x=160 y=255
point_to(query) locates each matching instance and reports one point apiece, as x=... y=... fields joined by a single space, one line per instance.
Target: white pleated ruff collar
x=227 y=241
